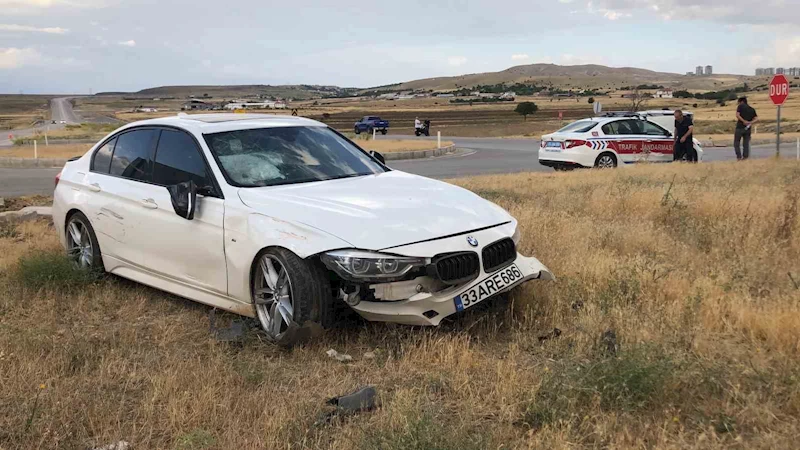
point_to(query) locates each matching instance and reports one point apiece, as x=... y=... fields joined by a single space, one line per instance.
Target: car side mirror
x=378 y=156
x=184 y=198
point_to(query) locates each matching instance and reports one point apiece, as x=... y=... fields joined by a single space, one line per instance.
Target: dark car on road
x=370 y=123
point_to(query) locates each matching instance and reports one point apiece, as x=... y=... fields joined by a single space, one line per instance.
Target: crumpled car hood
x=376 y=212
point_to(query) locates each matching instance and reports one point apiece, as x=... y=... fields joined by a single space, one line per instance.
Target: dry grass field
x=695 y=270
x=50 y=151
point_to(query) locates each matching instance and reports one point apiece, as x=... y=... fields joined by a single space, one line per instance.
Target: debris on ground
x=577 y=306
x=341 y=357
x=299 y=335
x=121 y=445
x=609 y=343
x=233 y=333
x=552 y=335
x=364 y=399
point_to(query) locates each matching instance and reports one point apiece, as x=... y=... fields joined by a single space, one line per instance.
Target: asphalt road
x=60 y=109
x=494 y=156
x=482 y=156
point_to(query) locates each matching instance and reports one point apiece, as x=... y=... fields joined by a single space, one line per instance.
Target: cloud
x=36 y=6
x=737 y=12
x=30 y=29
x=128 y=43
x=457 y=60
x=14 y=58
x=520 y=57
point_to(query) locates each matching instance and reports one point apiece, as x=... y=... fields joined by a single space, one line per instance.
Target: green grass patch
x=423 y=432
x=51 y=270
x=632 y=382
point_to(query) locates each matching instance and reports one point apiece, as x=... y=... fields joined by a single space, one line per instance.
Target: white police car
x=612 y=140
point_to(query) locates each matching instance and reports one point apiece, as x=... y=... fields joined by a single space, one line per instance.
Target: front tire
x=289 y=293
x=383 y=132
x=82 y=246
x=606 y=161
x=357 y=130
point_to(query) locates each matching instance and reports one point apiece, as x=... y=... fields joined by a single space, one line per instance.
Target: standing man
x=417 y=124
x=745 y=118
x=684 y=144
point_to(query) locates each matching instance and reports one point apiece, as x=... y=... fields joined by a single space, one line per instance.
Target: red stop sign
x=779 y=89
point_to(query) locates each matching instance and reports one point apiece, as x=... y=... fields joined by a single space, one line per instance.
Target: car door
x=189 y=251
x=626 y=139
x=117 y=181
x=658 y=143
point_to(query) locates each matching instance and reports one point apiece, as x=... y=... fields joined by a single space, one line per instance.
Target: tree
x=526 y=108
x=591 y=100
x=638 y=99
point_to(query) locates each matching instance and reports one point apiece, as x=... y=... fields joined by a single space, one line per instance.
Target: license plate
x=491 y=285
x=553 y=144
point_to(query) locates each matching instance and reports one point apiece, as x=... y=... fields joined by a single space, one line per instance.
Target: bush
x=51 y=270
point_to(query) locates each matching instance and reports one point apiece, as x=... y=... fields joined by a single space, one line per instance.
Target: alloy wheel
x=606 y=162
x=272 y=294
x=79 y=244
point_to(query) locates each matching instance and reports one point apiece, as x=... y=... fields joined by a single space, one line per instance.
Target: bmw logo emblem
x=472 y=241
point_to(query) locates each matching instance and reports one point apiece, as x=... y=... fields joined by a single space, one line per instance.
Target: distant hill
x=590 y=76
x=300 y=92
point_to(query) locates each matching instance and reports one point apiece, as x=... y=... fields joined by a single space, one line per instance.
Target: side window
x=133 y=154
x=652 y=129
x=102 y=157
x=611 y=128
x=178 y=160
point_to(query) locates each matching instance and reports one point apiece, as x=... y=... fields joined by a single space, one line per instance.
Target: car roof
x=221 y=122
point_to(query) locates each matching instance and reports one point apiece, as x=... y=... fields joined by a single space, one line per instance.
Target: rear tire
x=356 y=130
x=82 y=246
x=606 y=161
x=291 y=296
x=383 y=132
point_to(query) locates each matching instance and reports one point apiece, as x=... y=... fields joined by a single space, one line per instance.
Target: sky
x=83 y=46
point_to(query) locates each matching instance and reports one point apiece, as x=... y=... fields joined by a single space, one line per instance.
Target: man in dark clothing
x=684 y=144
x=745 y=117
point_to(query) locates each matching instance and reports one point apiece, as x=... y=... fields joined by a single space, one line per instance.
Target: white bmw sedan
x=283 y=219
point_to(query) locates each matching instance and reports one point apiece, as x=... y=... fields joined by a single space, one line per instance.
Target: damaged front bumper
x=430 y=308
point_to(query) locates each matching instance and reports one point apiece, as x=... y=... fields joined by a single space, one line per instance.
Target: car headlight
x=517 y=236
x=358 y=265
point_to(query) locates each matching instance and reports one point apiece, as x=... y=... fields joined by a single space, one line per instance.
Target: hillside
x=581 y=76
x=300 y=92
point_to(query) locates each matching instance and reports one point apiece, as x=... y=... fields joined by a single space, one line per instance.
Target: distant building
x=689 y=74
x=195 y=104
x=698 y=71
x=666 y=93
x=769 y=71
x=794 y=72
x=709 y=71
x=780 y=71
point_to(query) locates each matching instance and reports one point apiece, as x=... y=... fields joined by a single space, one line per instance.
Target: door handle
x=149 y=203
x=94 y=187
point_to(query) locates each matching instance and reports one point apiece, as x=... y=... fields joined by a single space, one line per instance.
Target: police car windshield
x=581 y=126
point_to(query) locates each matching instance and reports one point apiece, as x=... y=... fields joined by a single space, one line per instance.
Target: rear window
x=581 y=126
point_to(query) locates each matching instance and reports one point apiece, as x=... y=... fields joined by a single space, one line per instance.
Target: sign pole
x=778 y=130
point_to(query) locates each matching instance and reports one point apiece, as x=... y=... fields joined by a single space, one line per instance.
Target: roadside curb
x=27 y=163
x=26 y=214
x=729 y=142
x=419 y=154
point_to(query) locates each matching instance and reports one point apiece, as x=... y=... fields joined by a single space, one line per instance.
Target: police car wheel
x=606 y=161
